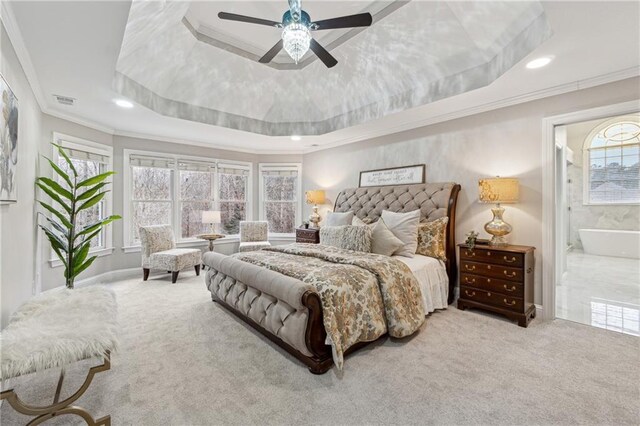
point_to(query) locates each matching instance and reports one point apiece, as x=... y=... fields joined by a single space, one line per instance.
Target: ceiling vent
x=65 y=100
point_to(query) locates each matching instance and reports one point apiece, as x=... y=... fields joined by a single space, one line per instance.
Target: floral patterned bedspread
x=363 y=295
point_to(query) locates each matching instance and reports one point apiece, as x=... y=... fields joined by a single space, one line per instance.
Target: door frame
x=549 y=192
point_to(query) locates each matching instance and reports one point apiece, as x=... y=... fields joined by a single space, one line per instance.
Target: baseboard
x=110 y=276
x=539 y=311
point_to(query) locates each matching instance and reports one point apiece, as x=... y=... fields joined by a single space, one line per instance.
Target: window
x=175 y=190
x=612 y=152
x=280 y=196
x=233 y=182
x=89 y=159
x=196 y=195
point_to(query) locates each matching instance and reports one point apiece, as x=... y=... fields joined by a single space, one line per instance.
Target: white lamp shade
x=211 y=216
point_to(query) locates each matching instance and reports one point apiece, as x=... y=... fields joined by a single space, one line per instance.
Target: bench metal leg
x=60 y=408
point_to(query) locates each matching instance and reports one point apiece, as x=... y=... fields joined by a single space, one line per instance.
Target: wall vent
x=64 y=100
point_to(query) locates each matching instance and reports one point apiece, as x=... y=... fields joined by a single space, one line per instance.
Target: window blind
x=196 y=166
x=279 y=171
x=156 y=162
x=78 y=154
x=233 y=169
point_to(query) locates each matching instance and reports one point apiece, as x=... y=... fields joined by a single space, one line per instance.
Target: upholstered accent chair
x=159 y=252
x=254 y=235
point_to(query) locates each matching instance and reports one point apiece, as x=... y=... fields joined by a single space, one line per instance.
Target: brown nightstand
x=498 y=279
x=310 y=235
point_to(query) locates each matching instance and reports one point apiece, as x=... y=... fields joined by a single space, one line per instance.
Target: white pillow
x=357 y=221
x=338 y=219
x=382 y=239
x=405 y=227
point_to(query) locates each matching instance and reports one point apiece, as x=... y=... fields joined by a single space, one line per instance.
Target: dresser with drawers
x=498 y=279
x=308 y=235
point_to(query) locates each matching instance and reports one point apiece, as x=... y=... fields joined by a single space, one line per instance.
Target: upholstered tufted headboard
x=434 y=200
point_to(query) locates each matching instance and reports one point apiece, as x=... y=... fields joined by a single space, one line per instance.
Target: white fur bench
x=53 y=330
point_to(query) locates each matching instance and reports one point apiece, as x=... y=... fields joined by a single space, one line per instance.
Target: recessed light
x=539 y=62
x=296 y=138
x=123 y=103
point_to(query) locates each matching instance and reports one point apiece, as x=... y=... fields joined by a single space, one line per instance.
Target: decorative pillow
x=347 y=237
x=432 y=237
x=338 y=219
x=405 y=227
x=358 y=222
x=382 y=239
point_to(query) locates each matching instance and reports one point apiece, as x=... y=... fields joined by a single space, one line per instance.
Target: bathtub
x=609 y=242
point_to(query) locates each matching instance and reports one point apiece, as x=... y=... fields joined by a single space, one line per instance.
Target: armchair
x=159 y=252
x=253 y=235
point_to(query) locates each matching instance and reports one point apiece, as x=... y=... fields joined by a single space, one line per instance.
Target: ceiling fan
x=296 y=28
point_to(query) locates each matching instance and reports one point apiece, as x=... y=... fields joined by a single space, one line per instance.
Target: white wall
x=17 y=222
x=505 y=142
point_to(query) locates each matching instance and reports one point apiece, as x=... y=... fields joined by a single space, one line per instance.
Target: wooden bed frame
x=315 y=334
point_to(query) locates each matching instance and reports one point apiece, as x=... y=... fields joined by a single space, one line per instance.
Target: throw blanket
x=363 y=295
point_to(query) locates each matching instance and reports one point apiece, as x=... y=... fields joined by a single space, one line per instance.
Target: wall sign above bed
x=406 y=175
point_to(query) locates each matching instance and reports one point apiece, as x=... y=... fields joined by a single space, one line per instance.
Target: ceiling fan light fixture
x=297 y=39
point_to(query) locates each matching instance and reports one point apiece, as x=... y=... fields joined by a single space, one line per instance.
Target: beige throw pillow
x=382 y=239
x=405 y=227
x=432 y=237
x=348 y=237
x=338 y=219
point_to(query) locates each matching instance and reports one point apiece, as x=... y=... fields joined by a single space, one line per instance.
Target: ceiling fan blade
x=271 y=53
x=248 y=19
x=359 y=20
x=322 y=53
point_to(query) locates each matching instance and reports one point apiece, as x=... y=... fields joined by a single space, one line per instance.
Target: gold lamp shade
x=499 y=190
x=315 y=196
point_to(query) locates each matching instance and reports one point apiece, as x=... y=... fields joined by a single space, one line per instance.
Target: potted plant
x=69 y=243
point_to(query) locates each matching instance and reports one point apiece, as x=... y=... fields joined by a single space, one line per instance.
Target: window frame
x=224 y=164
x=586 y=161
x=73 y=142
x=129 y=245
x=261 y=195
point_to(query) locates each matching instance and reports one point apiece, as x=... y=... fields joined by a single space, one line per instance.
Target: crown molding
x=17 y=41
x=490 y=106
x=79 y=120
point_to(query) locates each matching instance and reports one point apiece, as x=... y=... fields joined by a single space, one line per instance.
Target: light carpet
x=183 y=360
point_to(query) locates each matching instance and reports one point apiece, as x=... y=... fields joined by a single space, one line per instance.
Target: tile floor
x=601 y=291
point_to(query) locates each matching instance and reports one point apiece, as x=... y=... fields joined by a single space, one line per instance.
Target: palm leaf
x=56 y=187
x=95 y=179
x=91 y=191
x=82 y=253
x=59 y=215
x=92 y=236
x=55 y=240
x=57 y=226
x=60 y=256
x=66 y=157
x=81 y=267
x=54 y=197
x=92 y=201
x=97 y=225
x=60 y=172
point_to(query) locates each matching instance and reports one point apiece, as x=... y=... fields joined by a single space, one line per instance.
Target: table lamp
x=212 y=217
x=499 y=191
x=315 y=197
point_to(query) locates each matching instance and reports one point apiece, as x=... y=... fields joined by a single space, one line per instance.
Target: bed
x=288 y=310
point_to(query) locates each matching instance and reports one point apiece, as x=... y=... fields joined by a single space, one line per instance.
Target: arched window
x=612 y=162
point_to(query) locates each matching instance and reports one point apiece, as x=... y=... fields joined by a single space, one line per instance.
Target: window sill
x=55 y=263
x=230 y=239
x=611 y=204
x=282 y=237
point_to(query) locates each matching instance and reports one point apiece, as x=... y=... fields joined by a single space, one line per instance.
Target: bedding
x=405 y=227
x=357 y=238
x=432 y=237
x=432 y=277
x=363 y=295
x=338 y=219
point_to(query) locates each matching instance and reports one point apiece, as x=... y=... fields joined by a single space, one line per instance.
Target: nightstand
x=498 y=279
x=308 y=235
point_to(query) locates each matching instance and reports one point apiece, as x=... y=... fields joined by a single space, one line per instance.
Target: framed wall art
x=393 y=176
x=8 y=143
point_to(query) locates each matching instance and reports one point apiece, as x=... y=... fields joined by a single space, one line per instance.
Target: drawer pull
x=472 y=268
x=513 y=302
x=469 y=281
x=513 y=288
x=472 y=254
x=473 y=293
x=488 y=280
x=513 y=274
x=513 y=259
x=488 y=266
x=488 y=253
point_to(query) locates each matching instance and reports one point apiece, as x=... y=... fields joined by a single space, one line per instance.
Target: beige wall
x=505 y=142
x=17 y=221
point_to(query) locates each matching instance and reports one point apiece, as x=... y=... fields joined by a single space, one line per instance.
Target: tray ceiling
x=180 y=60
